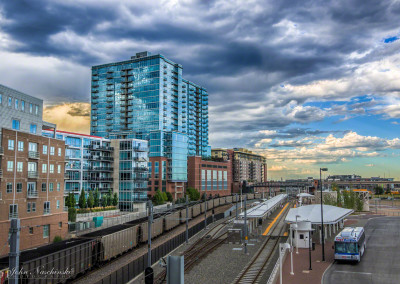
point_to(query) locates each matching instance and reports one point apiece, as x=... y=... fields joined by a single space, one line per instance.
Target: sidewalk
x=301 y=265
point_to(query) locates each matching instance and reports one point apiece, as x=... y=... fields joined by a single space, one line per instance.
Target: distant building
x=247 y=166
x=210 y=177
x=32 y=187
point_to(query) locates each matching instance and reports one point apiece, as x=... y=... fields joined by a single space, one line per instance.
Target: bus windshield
x=346 y=247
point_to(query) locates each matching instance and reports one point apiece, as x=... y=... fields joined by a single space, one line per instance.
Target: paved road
x=381 y=261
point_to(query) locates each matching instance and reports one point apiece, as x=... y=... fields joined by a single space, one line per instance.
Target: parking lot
x=381 y=261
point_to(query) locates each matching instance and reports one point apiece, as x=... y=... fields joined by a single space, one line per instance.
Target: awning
x=332 y=214
x=262 y=209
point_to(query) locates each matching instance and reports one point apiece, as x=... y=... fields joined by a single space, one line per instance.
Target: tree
x=353 y=198
x=71 y=214
x=90 y=200
x=339 y=199
x=378 y=190
x=115 y=199
x=164 y=196
x=158 y=198
x=359 y=203
x=96 y=198
x=70 y=200
x=193 y=193
x=104 y=200
x=169 y=196
x=335 y=186
x=82 y=199
x=346 y=199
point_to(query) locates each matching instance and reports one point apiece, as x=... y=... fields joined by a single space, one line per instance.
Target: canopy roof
x=332 y=214
x=259 y=211
x=305 y=195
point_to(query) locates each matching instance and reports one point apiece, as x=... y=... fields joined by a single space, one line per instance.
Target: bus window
x=346 y=248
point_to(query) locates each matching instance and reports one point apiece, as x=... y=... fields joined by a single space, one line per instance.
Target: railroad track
x=203 y=246
x=254 y=271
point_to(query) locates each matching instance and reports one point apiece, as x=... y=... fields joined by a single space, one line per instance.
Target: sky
x=308 y=84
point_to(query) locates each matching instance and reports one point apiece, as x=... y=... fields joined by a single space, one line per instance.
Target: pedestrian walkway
x=301 y=265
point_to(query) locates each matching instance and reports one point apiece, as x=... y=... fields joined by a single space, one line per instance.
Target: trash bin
x=313 y=246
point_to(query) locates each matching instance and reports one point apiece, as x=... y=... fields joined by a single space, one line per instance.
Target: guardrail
x=33 y=154
x=32 y=194
x=33 y=174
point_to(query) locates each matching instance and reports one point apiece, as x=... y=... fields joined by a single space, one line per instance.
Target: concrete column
x=330 y=230
x=334 y=228
x=325 y=232
x=320 y=235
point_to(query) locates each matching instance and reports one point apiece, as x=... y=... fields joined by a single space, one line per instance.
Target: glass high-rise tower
x=147 y=98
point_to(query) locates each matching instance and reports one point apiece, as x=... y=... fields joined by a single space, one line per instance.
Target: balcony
x=1 y=173
x=110 y=94
x=105 y=169
x=33 y=174
x=140 y=169
x=1 y=151
x=32 y=194
x=66 y=176
x=65 y=208
x=98 y=178
x=13 y=215
x=33 y=155
x=141 y=149
x=46 y=211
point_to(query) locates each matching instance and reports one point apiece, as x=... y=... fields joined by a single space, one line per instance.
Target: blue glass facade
x=146 y=98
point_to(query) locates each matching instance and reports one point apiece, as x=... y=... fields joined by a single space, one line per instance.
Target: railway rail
x=254 y=271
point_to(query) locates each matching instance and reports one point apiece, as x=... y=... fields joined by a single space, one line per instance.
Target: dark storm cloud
x=241 y=54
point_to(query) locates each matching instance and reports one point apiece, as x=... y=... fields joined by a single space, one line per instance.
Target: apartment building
x=32 y=187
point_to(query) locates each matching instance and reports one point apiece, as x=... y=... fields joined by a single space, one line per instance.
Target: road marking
x=366 y=273
x=273 y=222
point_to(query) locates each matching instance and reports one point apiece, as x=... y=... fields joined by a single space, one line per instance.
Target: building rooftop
x=332 y=214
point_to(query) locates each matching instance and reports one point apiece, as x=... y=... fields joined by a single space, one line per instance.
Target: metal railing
x=32 y=194
x=33 y=154
x=1 y=150
x=46 y=211
x=1 y=173
x=13 y=215
x=65 y=208
x=33 y=174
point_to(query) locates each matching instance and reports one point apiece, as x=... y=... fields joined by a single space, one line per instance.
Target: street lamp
x=297 y=237
x=322 y=213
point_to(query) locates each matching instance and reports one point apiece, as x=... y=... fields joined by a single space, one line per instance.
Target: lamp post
x=297 y=247
x=322 y=213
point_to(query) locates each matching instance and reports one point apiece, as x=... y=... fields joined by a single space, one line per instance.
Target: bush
x=90 y=200
x=82 y=199
x=359 y=204
x=115 y=199
x=193 y=193
x=96 y=209
x=96 y=198
x=158 y=198
x=164 y=196
x=169 y=197
x=57 y=239
x=71 y=214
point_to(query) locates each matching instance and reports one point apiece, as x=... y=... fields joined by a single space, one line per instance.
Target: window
x=16 y=103
x=51 y=186
x=20 y=166
x=15 y=124
x=51 y=169
x=9 y=101
x=46 y=207
x=58 y=204
x=10 y=166
x=52 y=151
x=58 y=186
x=33 y=147
x=28 y=207
x=44 y=186
x=59 y=169
x=33 y=128
x=31 y=230
x=9 y=187
x=20 y=146
x=45 y=149
x=30 y=108
x=46 y=230
x=10 y=144
x=36 y=110
x=33 y=206
x=23 y=105
x=60 y=224
x=59 y=152
x=44 y=168
x=19 y=187
x=1 y=98
x=32 y=167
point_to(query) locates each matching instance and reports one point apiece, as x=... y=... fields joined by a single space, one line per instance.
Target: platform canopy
x=305 y=195
x=264 y=208
x=332 y=214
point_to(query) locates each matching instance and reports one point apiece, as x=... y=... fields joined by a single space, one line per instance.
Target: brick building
x=210 y=177
x=32 y=187
x=159 y=171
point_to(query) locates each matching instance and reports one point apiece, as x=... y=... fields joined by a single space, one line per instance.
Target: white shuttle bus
x=350 y=244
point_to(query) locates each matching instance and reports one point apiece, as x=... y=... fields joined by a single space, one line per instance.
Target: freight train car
x=210 y=204
x=72 y=257
x=196 y=210
x=171 y=220
x=183 y=215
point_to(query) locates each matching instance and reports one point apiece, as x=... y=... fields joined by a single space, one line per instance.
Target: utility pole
x=187 y=221
x=237 y=209
x=245 y=226
x=150 y=206
x=205 y=214
x=14 y=250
